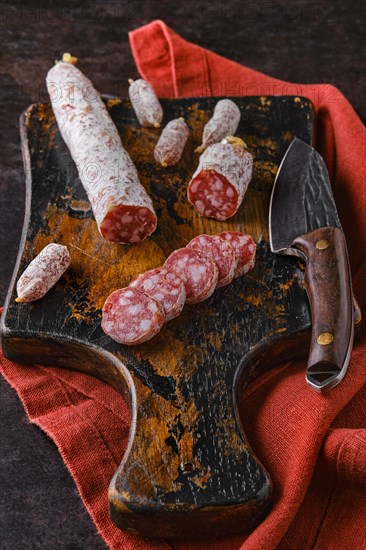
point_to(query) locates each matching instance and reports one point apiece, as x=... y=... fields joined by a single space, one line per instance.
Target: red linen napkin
x=314 y=446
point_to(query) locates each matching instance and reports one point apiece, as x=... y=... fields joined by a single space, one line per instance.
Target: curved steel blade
x=302 y=198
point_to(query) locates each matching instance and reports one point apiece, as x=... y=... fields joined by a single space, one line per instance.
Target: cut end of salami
x=245 y=250
x=212 y=195
x=128 y=224
x=221 y=252
x=198 y=272
x=131 y=317
x=166 y=287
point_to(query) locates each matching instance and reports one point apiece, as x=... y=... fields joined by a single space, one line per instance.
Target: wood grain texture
x=188 y=455
x=329 y=287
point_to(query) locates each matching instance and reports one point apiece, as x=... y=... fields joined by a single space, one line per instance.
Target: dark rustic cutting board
x=188 y=469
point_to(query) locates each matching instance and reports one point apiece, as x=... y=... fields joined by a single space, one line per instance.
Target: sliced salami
x=245 y=250
x=131 y=317
x=221 y=252
x=224 y=122
x=218 y=186
x=169 y=148
x=122 y=209
x=43 y=272
x=198 y=272
x=146 y=105
x=165 y=286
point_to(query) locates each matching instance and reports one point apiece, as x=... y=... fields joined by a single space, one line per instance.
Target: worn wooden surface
x=188 y=455
x=303 y=41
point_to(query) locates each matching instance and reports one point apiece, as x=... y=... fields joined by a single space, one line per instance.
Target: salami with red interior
x=122 y=209
x=130 y=316
x=198 y=272
x=218 y=186
x=245 y=250
x=221 y=252
x=165 y=286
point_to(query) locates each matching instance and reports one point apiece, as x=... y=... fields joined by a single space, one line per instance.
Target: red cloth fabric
x=314 y=446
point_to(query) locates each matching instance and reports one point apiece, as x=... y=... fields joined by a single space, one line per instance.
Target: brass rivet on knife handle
x=323 y=244
x=325 y=339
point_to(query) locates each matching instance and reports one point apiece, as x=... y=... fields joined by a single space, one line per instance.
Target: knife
x=303 y=221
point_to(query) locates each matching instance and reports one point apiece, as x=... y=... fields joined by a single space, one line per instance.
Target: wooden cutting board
x=188 y=469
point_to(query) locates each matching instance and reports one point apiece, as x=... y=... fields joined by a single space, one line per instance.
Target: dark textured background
x=302 y=40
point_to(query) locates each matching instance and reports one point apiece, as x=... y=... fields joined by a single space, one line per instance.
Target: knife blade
x=303 y=221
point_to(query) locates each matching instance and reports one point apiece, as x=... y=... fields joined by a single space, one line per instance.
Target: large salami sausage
x=224 y=122
x=198 y=272
x=43 y=272
x=131 y=317
x=122 y=209
x=221 y=252
x=218 y=186
x=245 y=250
x=166 y=287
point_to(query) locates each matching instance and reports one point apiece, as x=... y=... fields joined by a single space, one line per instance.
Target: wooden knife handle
x=329 y=288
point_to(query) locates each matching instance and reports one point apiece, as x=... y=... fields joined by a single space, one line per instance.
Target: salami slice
x=169 y=148
x=43 y=272
x=245 y=250
x=131 y=317
x=224 y=122
x=146 y=105
x=221 y=252
x=218 y=186
x=122 y=209
x=198 y=272
x=166 y=287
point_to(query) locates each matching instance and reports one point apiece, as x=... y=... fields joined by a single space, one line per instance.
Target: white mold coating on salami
x=171 y=143
x=218 y=186
x=221 y=252
x=165 y=286
x=198 y=272
x=245 y=250
x=122 y=209
x=131 y=317
x=224 y=122
x=145 y=103
x=43 y=272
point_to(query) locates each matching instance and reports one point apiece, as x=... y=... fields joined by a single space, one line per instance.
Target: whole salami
x=221 y=252
x=169 y=148
x=43 y=272
x=245 y=250
x=218 y=186
x=122 y=209
x=146 y=105
x=166 y=287
x=224 y=122
x=198 y=272
x=131 y=317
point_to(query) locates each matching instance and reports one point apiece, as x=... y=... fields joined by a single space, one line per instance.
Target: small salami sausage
x=169 y=148
x=131 y=317
x=218 y=186
x=224 y=122
x=166 y=287
x=245 y=250
x=146 y=105
x=43 y=272
x=122 y=209
x=198 y=272
x=221 y=252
